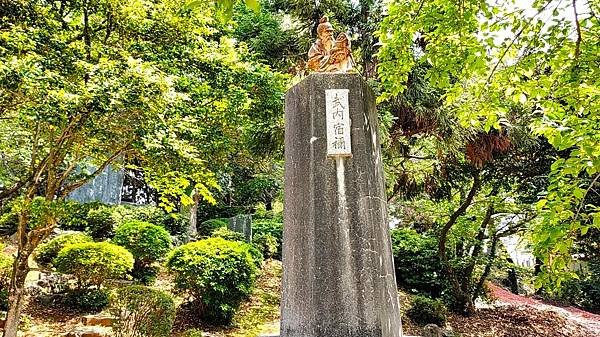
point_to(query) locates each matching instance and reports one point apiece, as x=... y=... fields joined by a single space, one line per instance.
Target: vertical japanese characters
x=338 y=123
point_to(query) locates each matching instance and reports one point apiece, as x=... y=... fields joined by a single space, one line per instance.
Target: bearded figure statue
x=327 y=54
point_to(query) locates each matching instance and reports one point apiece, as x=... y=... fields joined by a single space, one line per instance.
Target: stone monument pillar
x=338 y=278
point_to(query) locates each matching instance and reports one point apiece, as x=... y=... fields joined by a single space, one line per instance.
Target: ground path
x=573 y=314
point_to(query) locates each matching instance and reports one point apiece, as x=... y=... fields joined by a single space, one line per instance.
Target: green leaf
x=193 y=4
x=254 y=5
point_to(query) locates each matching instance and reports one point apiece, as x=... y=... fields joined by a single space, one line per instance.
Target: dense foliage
x=273 y=228
x=496 y=61
x=6 y=263
x=424 y=310
x=208 y=227
x=267 y=244
x=142 y=312
x=47 y=252
x=147 y=242
x=87 y=300
x=93 y=263
x=217 y=273
x=417 y=264
x=228 y=234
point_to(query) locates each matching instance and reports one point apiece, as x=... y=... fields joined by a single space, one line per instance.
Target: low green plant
x=218 y=273
x=266 y=243
x=207 y=227
x=90 y=300
x=100 y=223
x=147 y=242
x=229 y=235
x=75 y=215
x=92 y=263
x=585 y=290
x=47 y=252
x=425 y=310
x=6 y=264
x=142 y=312
x=418 y=268
x=273 y=228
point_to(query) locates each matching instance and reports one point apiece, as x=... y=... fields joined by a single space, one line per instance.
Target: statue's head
x=325 y=31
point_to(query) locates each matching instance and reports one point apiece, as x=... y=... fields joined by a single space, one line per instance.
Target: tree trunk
x=463 y=299
x=193 y=227
x=15 y=299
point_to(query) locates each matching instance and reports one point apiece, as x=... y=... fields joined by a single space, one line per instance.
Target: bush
x=87 y=300
x=100 y=223
x=425 y=311
x=218 y=273
x=267 y=244
x=272 y=228
x=416 y=261
x=45 y=253
x=209 y=226
x=92 y=263
x=6 y=264
x=147 y=242
x=9 y=221
x=145 y=275
x=585 y=291
x=142 y=312
x=75 y=217
x=174 y=223
x=229 y=235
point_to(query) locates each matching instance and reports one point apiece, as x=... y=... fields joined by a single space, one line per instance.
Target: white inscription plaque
x=338 y=123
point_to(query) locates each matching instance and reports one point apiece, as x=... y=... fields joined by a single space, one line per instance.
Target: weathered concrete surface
x=338 y=278
x=242 y=224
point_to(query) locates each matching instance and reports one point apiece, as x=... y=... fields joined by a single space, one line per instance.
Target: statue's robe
x=318 y=56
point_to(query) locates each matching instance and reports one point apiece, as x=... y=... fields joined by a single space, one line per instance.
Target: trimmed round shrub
x=209 y=226
x=142 y=312
x=227 y=234
x=267 y=244
x=147 y=242
x=425 y=310
x=87 y=300
x=92 y=263
x=273 y=228
x=45 y=253
x=219 y=274
x=100 y=223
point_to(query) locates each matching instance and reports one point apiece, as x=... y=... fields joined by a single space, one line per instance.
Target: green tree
x=488 y=57
x=147 y=84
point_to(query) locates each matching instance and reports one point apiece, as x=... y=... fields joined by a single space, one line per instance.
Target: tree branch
x=512 y=42
x=71 y=187
x=578 y=26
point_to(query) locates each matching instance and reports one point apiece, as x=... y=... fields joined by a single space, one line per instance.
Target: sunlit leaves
x=491 y=59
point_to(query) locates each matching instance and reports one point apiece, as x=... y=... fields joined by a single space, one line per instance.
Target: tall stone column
x=338 y=278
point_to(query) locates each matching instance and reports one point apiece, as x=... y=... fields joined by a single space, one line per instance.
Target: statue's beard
x=328 y=43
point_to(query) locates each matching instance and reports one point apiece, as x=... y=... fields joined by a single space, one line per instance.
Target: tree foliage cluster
x=489 y=61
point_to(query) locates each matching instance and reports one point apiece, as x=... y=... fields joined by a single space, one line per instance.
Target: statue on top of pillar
x=327 y=54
